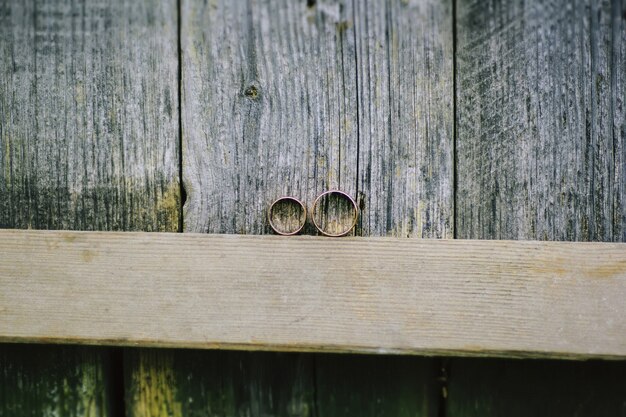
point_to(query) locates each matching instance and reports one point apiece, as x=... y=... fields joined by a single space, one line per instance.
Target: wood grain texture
x=540 y=123
x=88 y=140
x=175 y=383
x=541 y=120
x=380 y=295
x=269 y=108
x=406 y=118
x=54 y=381
x=274 y=103
x=404 y=91
x=89 y=115
x=394 y=386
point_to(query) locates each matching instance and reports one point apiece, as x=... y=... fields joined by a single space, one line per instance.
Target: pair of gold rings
x=287 y=215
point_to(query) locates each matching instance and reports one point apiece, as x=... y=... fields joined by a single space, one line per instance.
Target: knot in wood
x=251 y=92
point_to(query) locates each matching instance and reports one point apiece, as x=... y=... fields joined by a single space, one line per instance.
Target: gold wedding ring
x=343 y=195
x=286 y=227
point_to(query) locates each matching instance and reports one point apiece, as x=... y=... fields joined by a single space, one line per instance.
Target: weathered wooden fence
x=446 y=118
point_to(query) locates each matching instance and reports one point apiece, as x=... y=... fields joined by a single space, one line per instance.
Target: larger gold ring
x=343 y=195
x=275 y=227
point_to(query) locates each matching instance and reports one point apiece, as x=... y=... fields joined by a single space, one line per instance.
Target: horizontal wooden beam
x=380 y=295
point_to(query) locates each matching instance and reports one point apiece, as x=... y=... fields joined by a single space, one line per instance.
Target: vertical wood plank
x=89 y=116
x=39 y=380
x=269 y=108
x=406 y=121
x=394 y=386
x=540 y=93
x=617 y=60
x=88 y=141
x=541 y=120
x=405 y=93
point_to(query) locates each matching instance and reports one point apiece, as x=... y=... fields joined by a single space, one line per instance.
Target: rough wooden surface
x=55 y=381
x=379 y=295
x=393 y=386
x=541 y=155
x=405 y=116
x=294 y=98
x=541 y=120
x=175 y=383
x=269 y=109
x=88 y=140
x=274 y=104
x=403 y=60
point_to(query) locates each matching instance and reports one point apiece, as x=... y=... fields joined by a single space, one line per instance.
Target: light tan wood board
x=381 y=295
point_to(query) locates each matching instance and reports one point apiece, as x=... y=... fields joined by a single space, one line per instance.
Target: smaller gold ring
x=273 y=226
x=344 y=195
